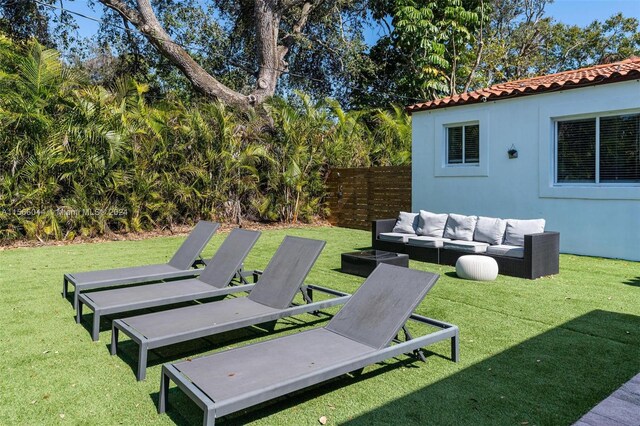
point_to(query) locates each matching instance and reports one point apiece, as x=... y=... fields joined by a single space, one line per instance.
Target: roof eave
x=631 y=75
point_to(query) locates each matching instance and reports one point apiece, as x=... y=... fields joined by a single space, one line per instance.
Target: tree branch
x=147 y=23
x=125 y=11
x=288 y=40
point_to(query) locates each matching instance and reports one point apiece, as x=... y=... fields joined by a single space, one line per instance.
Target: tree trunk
x=271 y=54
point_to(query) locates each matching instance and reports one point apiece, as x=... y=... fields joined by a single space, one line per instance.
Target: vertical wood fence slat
x=355 y=197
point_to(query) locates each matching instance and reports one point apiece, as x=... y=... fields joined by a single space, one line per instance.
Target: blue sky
x=571 y=12
x=583 y=12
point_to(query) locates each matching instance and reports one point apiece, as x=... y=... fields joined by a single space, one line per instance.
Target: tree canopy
x=244 y=52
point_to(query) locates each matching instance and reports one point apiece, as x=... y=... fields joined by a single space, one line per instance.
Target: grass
x=532 y=352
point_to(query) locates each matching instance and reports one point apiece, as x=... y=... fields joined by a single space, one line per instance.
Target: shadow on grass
x=553 y=378
x=633 y=282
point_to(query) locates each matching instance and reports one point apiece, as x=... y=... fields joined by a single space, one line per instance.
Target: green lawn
x=537 y=352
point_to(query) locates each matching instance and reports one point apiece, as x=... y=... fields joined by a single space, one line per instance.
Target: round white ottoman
x=479 y=268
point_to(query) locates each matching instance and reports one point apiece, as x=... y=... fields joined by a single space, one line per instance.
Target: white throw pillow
x=517 y=229
x=431 y=224
x=407 y=223
x=460 y=227
x=490 y=230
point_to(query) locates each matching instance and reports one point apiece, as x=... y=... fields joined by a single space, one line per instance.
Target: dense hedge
x=82 y=159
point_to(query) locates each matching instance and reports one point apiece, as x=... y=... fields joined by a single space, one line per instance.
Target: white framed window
x=462 y=144
x=600 y=150
x=461 y=141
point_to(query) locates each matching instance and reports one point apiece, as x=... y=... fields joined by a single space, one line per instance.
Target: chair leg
x=78 y=312
x=163 y=396
x=76 y=301
x=113 y=349
x=455 y=348
x=142 y=362
x=307 y=295
x=95 y=331
x=64 y=287
x=209 y=417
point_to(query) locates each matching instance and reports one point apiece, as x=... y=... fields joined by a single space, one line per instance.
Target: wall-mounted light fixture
x=512 y=152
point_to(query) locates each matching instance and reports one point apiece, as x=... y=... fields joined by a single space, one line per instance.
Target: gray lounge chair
x=270 y=300
x=214 y=281
x=180 y=266
x=357 y=336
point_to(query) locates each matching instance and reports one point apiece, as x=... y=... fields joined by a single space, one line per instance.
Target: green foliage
x=431 y=50
x=78 y=158
x=438 y=48
x=521 y=41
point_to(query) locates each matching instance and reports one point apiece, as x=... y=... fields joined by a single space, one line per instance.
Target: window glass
x=454 y=145
x=576 y=156
x=620 y=149
x=472 y=144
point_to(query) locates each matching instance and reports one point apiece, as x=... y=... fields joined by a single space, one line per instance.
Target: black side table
x=362 y=263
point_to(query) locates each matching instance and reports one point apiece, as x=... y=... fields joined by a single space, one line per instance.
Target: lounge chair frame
x=144 y=343
x=186 y=263
x=223 y=270
x=79 y=288
x=237 y=285
x=213 y=409
x=363 y=332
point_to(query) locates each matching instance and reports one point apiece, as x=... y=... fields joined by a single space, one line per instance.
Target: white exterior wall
x=591 y=221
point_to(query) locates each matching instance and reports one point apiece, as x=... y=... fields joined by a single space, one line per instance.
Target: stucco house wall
x=598 y=221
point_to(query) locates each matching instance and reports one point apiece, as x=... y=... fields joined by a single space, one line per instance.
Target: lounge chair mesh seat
x=236 y=374
x=360 y=334
x=180 y=266
x=214 y=281
x=270 y=299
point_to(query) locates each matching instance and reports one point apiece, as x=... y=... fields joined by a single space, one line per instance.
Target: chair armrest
x=379 y=226
x=542 y=250
x=547 y=239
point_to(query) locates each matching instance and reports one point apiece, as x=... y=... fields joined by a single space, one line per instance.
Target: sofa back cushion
x=460 y=227
x=407 y=223
x=431 y=224
x=517 y=229
x=490 y=230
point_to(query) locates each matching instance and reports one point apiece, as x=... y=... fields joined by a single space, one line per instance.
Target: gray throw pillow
x=431 y=224
x=517 y=229
x=490 y=230
x=407 y=223
x=460 y=227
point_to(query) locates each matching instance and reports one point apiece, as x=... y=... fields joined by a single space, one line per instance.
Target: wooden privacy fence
x=355 y=197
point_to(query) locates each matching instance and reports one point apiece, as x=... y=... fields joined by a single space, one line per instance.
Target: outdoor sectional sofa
x=427 y=237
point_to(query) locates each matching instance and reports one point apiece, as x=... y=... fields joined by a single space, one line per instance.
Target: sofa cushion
x=407 y=223
x=460 y=227
x=505 y=250
x=490 y=230
x=423 y=241
x=431 y=224
x=466 y=246
x=517 y=229
x=395 y=237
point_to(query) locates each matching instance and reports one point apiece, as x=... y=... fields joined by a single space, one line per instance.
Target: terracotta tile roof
x=628 y=69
